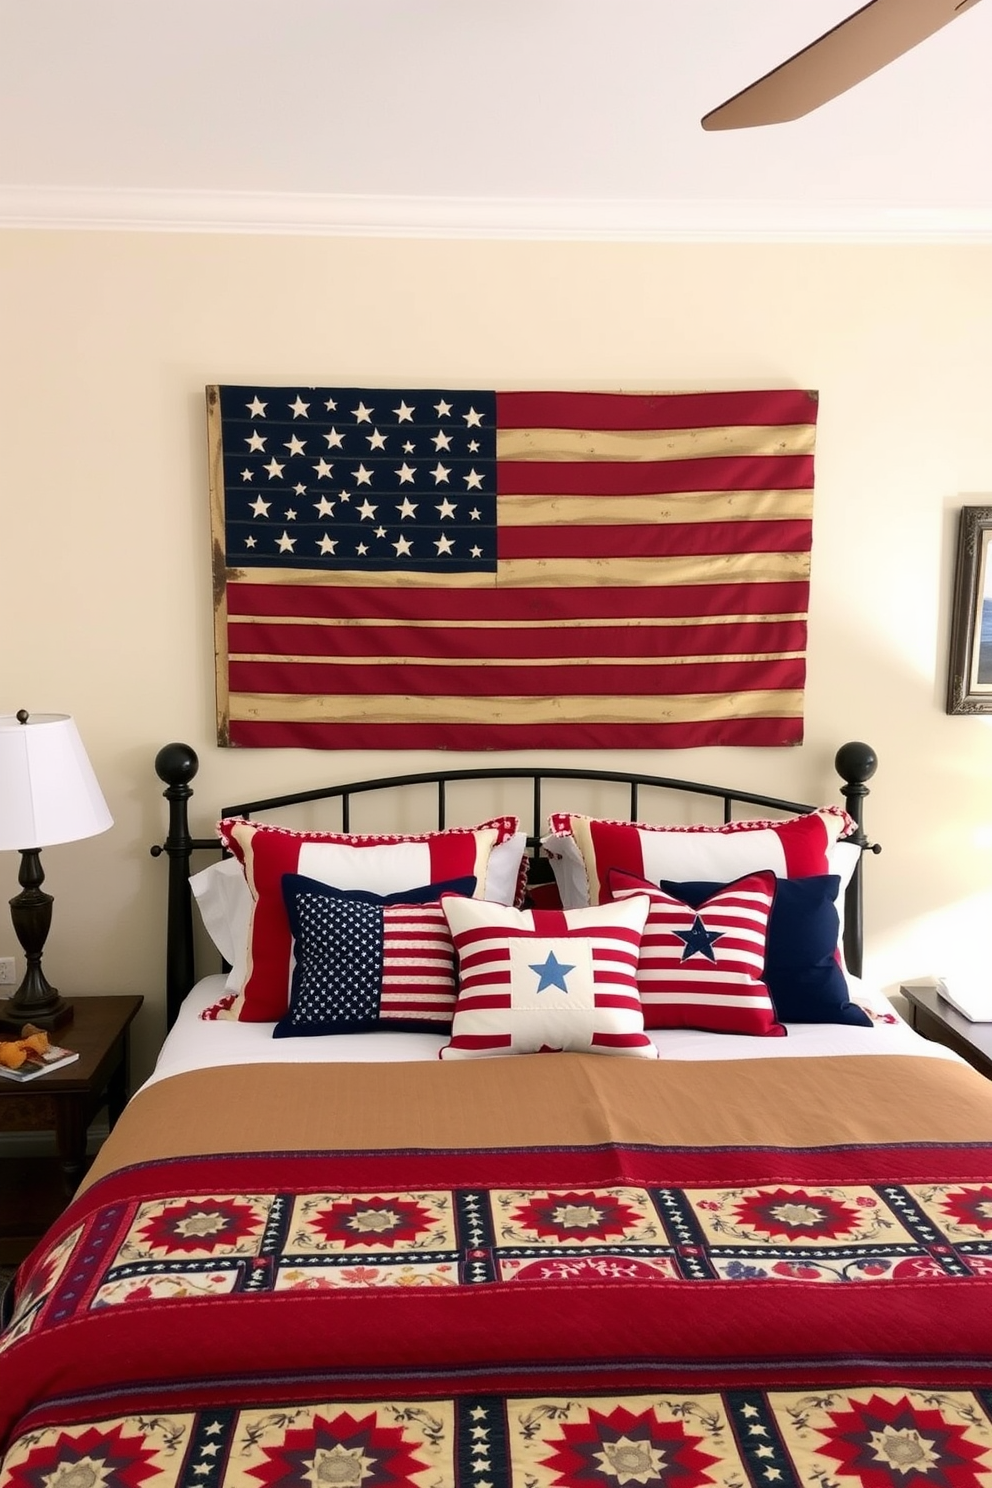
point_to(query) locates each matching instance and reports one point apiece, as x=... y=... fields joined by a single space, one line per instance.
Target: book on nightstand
x=973 y=1000
x=53 y=1058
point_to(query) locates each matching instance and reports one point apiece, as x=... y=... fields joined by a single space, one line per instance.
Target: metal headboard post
x=177 y=764
x=856 y=763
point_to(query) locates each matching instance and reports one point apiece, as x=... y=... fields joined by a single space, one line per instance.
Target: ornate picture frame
x=969 y=678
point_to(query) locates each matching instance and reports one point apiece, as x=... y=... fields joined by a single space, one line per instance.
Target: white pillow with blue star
x=542 y=981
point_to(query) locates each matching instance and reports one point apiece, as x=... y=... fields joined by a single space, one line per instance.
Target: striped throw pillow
x=363 y=962
x=537 y=981
x=701 y=967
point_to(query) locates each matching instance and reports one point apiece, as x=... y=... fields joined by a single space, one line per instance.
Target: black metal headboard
x=177 y=765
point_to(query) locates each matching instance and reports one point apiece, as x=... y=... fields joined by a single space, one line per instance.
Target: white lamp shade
x=48 y=792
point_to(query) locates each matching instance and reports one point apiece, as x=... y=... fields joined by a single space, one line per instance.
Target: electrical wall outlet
x=6 y=971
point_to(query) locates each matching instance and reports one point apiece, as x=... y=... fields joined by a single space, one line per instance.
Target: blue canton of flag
x=358 y=478
x=338 y=974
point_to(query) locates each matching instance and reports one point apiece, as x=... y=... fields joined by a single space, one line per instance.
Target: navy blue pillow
x=362 y=963
x=801 y=971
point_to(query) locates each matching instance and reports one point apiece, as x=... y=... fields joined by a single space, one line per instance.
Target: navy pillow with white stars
x=338 y=947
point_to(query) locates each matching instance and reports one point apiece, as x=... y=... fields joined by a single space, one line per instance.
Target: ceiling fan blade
x=858 y=46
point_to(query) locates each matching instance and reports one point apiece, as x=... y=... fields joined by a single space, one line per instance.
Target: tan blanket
x=577 y=1099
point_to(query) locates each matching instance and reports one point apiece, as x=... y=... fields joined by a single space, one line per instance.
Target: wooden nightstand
x=33 y=1191
x=930 y=1015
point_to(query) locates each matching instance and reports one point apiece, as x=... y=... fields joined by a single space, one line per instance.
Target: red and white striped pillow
x=583 y=849
x=363 y=962
x=492 y=854
x=532 y=981
x=701 y=968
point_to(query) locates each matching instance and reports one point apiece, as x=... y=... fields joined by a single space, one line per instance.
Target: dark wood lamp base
x=35 y=1000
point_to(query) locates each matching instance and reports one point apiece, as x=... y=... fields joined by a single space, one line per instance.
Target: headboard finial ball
x=856 y=762
x=176 y=764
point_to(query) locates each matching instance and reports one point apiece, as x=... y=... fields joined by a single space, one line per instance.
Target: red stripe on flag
x=674 y=540
x=654 y=477
x=474 y=681
x=654 y=410
x=621 y=641
x=755 y=733
x=490 y=604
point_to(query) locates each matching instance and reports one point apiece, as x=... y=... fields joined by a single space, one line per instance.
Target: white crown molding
x=630 y=220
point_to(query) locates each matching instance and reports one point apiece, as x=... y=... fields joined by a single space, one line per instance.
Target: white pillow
x=562 y=852
x=844 y=858
x=224 y=901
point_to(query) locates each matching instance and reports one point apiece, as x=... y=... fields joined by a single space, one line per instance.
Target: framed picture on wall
x=969 y=681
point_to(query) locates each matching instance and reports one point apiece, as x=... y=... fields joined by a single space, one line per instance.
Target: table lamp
x=48 y=795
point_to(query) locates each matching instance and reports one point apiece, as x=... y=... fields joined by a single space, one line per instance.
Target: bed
x=725 y=1228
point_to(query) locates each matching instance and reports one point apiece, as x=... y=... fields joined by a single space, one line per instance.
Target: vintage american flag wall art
x=400 y=568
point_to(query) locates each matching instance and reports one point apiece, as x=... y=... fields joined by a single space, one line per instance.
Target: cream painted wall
x=108 y=340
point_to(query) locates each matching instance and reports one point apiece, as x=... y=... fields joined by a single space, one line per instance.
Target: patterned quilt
x=614 y=1305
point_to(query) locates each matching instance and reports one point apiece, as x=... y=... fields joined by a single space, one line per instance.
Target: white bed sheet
x=193 y=1043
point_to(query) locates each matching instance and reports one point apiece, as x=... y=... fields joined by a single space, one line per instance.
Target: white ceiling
x=517 y=116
